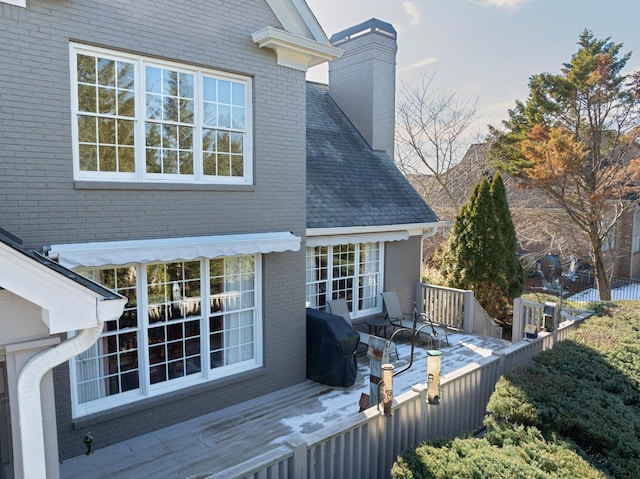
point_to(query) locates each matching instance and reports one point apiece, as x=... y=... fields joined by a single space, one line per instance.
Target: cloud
x=509 y=4
x=421 y=63
x=411 y=9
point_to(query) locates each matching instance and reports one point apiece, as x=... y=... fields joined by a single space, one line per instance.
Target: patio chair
x=339 y=307
x=404 y=320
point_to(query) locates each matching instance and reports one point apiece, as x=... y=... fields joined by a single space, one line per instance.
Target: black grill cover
x=331 y=348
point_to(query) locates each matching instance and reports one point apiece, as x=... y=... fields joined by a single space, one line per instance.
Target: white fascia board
x=414 y=229
x=17 y=3
x=66 y=305
x=295 y=51
x=296 y=17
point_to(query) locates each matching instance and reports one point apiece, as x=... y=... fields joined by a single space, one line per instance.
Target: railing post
x=299 y=447
x=418 y=297
x=469 y=311
x=517 y=329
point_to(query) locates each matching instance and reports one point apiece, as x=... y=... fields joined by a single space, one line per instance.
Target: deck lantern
x=385 y=387
x=434 y=359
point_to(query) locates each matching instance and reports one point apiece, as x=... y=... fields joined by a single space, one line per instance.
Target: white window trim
x=364 y=312
x=17 y=3
x=141 y=176
x=147 y=390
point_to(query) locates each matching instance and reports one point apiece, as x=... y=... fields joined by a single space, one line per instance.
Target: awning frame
x=117 y=253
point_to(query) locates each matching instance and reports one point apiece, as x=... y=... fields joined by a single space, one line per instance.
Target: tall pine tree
x=513 y=268
x=474 y=257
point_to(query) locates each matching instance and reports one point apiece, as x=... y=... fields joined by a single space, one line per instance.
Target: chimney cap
x=370 y=26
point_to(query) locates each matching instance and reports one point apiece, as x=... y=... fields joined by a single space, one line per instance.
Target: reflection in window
x=231 y=323
x=194 y=124
x=111 y=366
x=175 y=313
x=182 y=321
x=350 y=271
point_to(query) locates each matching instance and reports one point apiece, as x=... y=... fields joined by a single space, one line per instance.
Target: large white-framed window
x=349 y=271
x=185 y=322
x=142 y=119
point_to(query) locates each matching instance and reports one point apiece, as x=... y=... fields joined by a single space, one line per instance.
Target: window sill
x=148 y=186
x=163 y=400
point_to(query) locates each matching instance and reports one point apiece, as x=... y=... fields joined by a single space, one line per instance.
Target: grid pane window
x=232 y=336
x=317 y=275
x=111 y=366
x=105 y=119
x=182 y=321
x=368 y=278
x=351 y=271
x=169 y=121
x=140 y=120
x=175 y=314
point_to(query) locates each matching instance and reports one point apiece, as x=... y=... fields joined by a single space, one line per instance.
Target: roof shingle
x=349 y=184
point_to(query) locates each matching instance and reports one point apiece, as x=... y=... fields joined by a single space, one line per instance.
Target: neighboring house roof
x=349 y=184
x=462 y=178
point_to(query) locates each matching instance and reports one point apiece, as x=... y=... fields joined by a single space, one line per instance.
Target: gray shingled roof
x=349 y=184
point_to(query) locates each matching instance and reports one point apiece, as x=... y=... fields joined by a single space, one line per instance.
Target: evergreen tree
x=513 y=267
x=474 y=257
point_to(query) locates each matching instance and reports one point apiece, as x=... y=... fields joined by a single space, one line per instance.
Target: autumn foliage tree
x=576 y=139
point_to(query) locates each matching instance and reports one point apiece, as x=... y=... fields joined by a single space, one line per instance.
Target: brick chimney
x=363 y=80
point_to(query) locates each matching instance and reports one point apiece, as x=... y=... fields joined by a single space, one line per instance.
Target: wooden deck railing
x=367 y=444
x=456 y=309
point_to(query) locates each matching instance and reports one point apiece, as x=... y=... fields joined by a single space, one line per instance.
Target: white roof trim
x=66 y=304
x=296 y=17
x=115 y=253
x=357 y=238
x=295 y=51
x=414 y=229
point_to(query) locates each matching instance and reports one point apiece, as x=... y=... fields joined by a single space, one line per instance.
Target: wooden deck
x=212 y=443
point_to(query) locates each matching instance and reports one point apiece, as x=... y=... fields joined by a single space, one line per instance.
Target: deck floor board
x=222 y=439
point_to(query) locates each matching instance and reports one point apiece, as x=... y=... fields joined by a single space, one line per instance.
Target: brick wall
x=42 y=204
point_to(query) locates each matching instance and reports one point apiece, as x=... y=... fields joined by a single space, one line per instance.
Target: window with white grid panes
x=317 y=276
x=368 y=275
x=350 y=271
x=232 y=334
x=141 y=119
x=158 y=344
x=111 y=365
x=175 y=316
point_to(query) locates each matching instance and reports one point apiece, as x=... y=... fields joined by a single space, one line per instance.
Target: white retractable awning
x=332 y=240
x=115 y=253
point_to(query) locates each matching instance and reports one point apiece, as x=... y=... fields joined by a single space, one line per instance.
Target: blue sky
x=486 y=48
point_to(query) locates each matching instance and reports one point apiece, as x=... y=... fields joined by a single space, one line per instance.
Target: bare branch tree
x=432 y=131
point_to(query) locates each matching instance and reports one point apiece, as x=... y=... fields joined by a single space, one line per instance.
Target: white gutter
x=29 y=400
x=413 y=229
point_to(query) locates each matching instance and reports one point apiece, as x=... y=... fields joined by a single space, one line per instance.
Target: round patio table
x=377 y=324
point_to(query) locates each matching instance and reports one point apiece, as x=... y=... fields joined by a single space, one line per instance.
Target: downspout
x=30 y=410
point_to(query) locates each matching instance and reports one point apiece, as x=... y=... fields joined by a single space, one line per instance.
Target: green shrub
x=532 y=457
x=573 y=412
